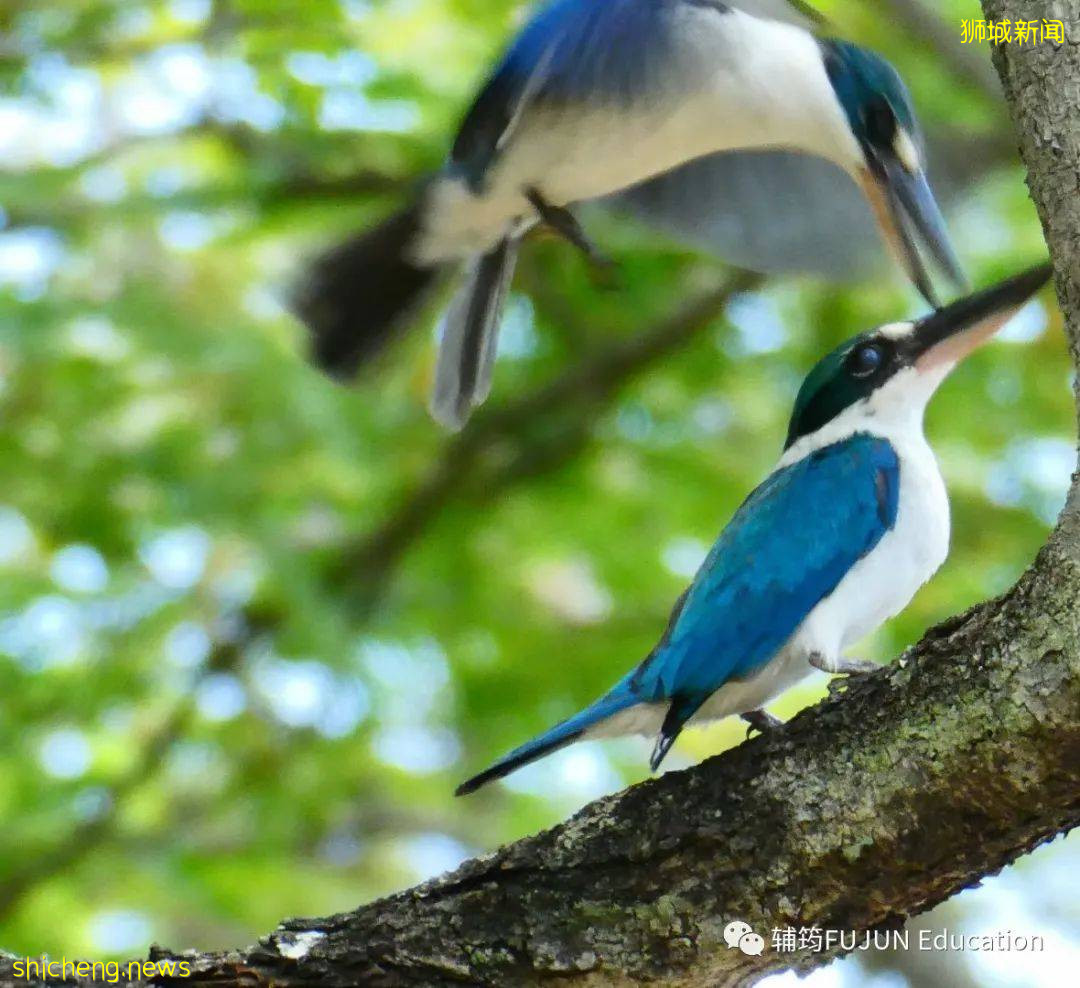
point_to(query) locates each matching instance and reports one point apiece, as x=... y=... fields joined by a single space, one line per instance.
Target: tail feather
x=558 y=737
x=360 y=293
x=470 y=336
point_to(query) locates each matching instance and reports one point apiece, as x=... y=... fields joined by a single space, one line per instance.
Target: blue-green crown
x=830 y=387
x=861 y=79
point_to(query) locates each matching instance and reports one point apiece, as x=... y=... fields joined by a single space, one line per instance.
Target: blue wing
x=576 y=51
x=786 y=549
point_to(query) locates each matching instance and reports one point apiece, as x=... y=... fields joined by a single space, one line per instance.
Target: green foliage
x=255 y=626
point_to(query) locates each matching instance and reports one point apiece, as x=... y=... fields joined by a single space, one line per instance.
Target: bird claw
x=565 y=224
x=761 y=721
x=842 y=666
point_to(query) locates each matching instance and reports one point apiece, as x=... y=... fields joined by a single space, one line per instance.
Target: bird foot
x=565 y=224
x=842 y=666
x=761 y=721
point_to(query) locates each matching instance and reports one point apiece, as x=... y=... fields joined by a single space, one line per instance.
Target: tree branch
x=876 y=804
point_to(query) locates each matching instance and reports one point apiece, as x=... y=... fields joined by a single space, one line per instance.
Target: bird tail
x=360 y=293
x=559 y=736
x=470 y=334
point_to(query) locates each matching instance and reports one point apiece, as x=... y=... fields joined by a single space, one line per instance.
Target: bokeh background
x=254 y=626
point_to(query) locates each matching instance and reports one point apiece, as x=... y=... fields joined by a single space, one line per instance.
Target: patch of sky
x=1005 y=387
x=410 y=682
x=197 y=764
x=712 y=416
x=58 y=122
x=517 y=332
x=433 y=853
x=683 y=556
x=17 y=540
x=80 y=569
x=28 y=259
x=165 y=93
x=104 y=184
x=49 y=632
x=843 y=974
x=189 y=11
x=1027 y=325
x=220 y=697
x=166 y=181
x=347 y=109
x=758 y=324
x=416 y=749
x=96 y=338
x=119 y=931
x=187 y=645
x=264 y=302
x=187 y=230
x=176 y=558
x=348 y=68
x=237 y=584
x=64 y=753
x=356 y=10
x=980 y=228
x=579 y=773
x=1033 y=473
x=634 y=422
x=132 y=21
x=238 y=99
x=306 y=693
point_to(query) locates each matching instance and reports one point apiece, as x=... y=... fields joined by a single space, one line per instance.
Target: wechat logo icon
x=738 y=934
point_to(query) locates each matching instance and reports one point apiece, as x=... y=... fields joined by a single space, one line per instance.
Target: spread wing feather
x=574 y=51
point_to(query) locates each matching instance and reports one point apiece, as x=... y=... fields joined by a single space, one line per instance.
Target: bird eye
x=880 y=122
x=865 y=360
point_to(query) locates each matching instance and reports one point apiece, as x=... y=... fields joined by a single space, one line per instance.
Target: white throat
x=789 y=99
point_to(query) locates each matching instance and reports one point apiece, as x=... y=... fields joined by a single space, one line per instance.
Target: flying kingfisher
x=850 y=523
x=598 y=96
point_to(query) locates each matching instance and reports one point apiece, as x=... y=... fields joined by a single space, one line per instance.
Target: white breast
x=882 y=583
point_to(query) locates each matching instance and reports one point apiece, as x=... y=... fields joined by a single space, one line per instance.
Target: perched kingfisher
x=597 y=96
x=850 y=523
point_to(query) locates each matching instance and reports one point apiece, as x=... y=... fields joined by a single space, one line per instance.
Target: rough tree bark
x=895 y=793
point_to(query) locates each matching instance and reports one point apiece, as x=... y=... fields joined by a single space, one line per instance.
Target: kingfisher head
x=891 y=167
x=883 y=378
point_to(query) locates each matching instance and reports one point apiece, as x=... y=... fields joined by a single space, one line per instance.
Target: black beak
x=916 y=215
x=950 y=334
